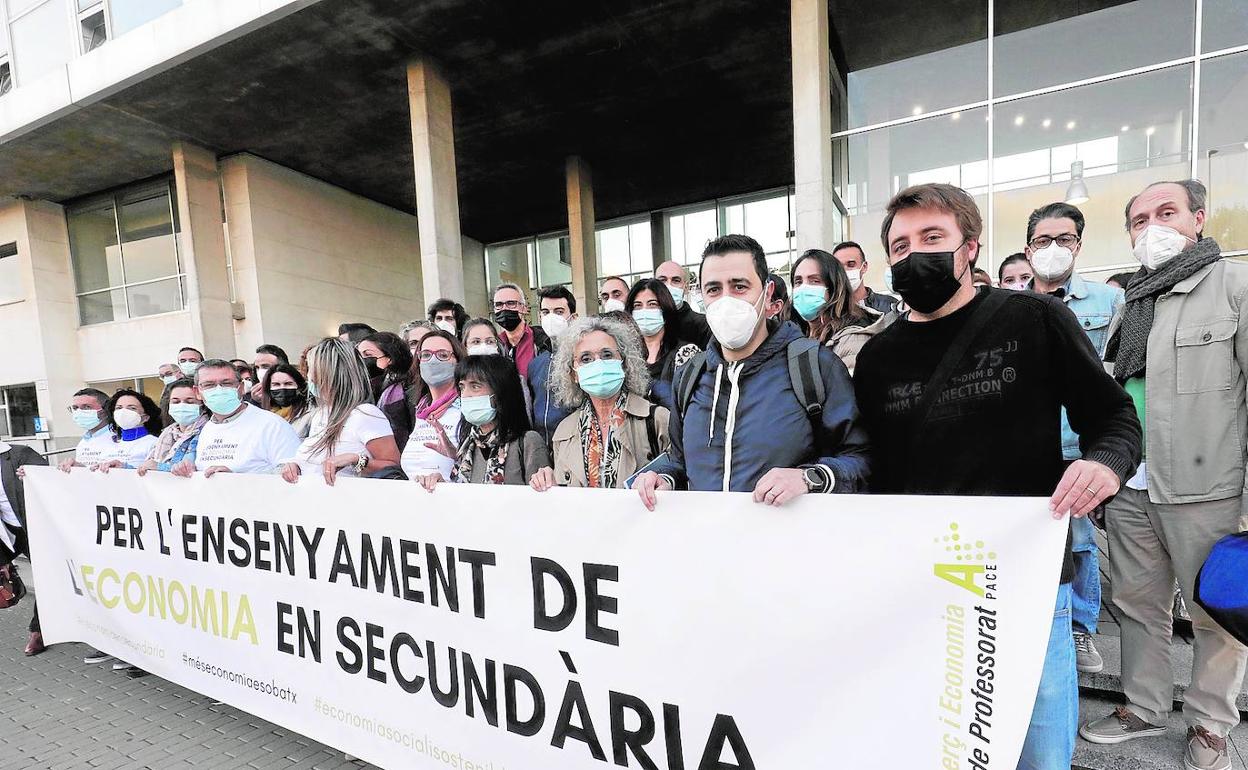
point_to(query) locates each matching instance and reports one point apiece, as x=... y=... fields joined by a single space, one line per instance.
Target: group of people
x=1130 y=401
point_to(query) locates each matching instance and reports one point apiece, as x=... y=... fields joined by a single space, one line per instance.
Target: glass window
x=6 y=76
x=1225 y=24
x=94 y=30
x=767 y=221
x=19 y=406
x=554 y=260
x=509 y=263
x=1046 y=44
x=41 y=40
x=688 y=233
x=128 y=14
x=624 y=250
x=949 y=148
x=141 y=275
x=1126 y=133
x=907 y=59
x=12 y=288
x=1223 y=153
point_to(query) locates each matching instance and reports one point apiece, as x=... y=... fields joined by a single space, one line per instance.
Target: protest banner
x=497 y=627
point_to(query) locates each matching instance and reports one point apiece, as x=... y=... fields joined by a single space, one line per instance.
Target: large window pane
x=1223 y=152
x=554 y=260
x=93 y=244
x=614 y=254
x=1046 y=44
x=153 y=298
x=509 y=263
x=1126 y=133
x=41 y=40
x=128 y=14
x=1225 y=24
x=22 y=407
x=767 y=221
x=102 y=307
x=688 y=233
x=910 y=58
x=148 y=244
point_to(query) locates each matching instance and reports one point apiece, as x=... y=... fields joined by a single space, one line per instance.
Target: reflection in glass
x=93 y=246
x=509 y=263
x=1046 y=44
x=101 y=307
x=554 y=260
x=1126 y=133
x=1222 y=156
x=1225 y=24
x=152 y=298
x=23 y=406
x=128 y=14
x=147 y=238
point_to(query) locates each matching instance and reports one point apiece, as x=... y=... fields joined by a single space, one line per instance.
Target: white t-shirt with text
x=419 y=460
x=254 y=441
x=365 y=423
x=93 y=446
x=132 y=453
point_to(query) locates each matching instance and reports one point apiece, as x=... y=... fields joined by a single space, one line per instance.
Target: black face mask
x=925 y=279
x=283 y=396
x=508 y=319
x=374 y=369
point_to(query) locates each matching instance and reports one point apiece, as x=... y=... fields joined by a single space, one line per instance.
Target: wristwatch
x=814 y=480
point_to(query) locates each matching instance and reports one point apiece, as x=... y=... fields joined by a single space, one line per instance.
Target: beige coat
x=569 y=454
x=1195 y=415
x=849 y=341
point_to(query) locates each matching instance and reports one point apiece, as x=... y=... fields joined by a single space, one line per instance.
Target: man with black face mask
x=521 y=342
x=963 y=396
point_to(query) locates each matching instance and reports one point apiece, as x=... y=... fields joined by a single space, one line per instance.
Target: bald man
x=691 y=325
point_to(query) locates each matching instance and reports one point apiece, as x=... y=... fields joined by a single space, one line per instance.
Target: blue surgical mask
x=222 y=400
x=601 y=378
x=478 y=410
x=888 y=279
x=678 y=295
x=184 y=414
x=188 y=367
x=169 y=379
x=86 y=418
x=312 y=391
x=649 y=320
x=809 y=300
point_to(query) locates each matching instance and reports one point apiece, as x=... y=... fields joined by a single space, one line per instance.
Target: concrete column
x=581 y=233
x=437 y=191
x=816 y=214
x=202 y=241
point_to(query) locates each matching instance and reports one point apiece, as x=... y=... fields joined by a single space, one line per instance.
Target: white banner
x=497 y=627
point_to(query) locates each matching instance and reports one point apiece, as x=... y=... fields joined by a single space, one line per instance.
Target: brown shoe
x=35 y=645
x=1118 y=727
x=1205 y=751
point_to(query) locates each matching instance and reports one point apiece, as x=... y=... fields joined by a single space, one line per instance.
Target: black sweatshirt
x=996 y=428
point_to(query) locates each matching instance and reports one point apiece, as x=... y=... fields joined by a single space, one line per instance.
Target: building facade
x=226 y=173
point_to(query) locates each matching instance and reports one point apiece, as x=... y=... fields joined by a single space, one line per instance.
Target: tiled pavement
x=58 y=713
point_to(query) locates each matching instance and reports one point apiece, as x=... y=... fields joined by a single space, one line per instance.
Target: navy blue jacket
x=547 y=412
x=769 y=428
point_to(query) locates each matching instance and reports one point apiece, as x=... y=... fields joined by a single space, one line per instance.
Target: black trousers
x=7 y=555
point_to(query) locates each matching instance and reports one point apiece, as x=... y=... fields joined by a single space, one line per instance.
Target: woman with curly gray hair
x=599 y=370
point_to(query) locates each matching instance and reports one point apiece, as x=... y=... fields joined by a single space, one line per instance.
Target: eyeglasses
x=442 y=355
x=606 y=354
x=1066 y=241
x=511 y=304
x=72 y=409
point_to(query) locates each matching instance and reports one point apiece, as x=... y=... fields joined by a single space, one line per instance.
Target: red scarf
x=427 y=411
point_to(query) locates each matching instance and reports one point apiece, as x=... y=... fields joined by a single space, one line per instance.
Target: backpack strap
x=803 y=359
x=686 y=381
x=652 y=434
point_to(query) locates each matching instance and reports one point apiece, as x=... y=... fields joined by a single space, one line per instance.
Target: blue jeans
x=1054 y=719
x=1086 y=607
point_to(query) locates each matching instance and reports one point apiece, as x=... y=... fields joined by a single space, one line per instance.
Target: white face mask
x=127 y=419
x=733 y=320
x=855 y=277
x=1052 y=262
x=1158 y=244
x=445 y=325
x=613 y=306
x=1020 y=286
x=483 y=349
x=554 y=325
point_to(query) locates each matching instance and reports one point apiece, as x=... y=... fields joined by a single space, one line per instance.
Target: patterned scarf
x=495 y=458
x=602 y=462
x=1129 y=345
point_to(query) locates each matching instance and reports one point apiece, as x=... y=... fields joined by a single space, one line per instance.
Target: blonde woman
x=600 y=371
x=347 y=435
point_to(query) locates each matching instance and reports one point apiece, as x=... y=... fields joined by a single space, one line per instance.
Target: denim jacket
x=1094 y=305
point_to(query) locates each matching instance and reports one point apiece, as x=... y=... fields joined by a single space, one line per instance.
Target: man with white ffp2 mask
x=1181 y=351
x=1054 y=238
x=740 y=424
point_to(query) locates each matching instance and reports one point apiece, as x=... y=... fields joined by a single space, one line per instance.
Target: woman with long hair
x=284 y=392
x=437 y=354
x=396 y=385
x=495 y=443
x=184 y=416
x=600 y=372
x=823 y=297
x=654 y=311
x=347 y=434
x=134 y=421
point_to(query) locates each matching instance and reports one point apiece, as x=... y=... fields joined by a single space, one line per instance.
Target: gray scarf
x=1129 y=346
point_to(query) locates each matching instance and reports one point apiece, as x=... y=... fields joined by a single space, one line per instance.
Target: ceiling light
x=1077 y=192
x=1046 y=122
x=1070 y=124
x=1018 y=120
x=918 y=110
x=955 y=115
x=1125 y=129
x=1150 y=130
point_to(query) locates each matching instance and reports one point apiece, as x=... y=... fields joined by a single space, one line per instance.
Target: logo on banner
x=965 y=704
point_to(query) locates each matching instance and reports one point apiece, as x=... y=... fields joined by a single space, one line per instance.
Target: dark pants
x=6 y=557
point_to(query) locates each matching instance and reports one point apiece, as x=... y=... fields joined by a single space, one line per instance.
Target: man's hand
x=543 y=480
x=780 y=485
x=1084 y=485
x=67 y=465
x=257 y=391
x=214 y=470
x=647 y=484
x=290 y=472
x=105 y=466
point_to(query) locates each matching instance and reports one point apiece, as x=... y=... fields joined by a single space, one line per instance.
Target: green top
x=1135 y=389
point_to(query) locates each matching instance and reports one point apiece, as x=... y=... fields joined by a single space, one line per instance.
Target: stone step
x=1109 y=681
x=1164 y=752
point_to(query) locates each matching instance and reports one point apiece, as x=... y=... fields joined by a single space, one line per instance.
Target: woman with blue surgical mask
x=437 y=354
x=184 y=416
x=823 y=296
x=600 y=371
x=655 y=313
x=494 y=443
